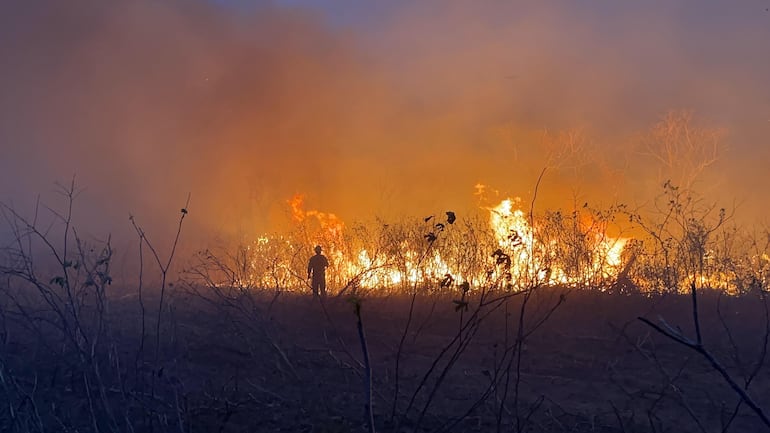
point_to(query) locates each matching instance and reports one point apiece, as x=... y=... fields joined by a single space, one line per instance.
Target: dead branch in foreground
x=697 y=345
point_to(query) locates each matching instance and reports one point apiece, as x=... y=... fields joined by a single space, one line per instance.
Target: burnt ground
x=290 y=363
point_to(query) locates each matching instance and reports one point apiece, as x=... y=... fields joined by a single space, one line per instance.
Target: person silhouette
x=316 y=269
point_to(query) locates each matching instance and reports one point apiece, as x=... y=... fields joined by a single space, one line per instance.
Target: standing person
x=316 y=267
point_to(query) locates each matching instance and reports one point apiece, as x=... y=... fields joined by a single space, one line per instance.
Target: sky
x=374 y=108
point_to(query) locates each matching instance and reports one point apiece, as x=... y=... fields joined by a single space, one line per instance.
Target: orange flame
x=414 y=265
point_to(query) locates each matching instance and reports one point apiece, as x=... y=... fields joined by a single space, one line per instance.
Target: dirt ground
x=289 y=363
x=591 y=366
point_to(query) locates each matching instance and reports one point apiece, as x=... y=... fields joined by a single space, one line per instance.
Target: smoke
x=146 y=101
x=387 y=111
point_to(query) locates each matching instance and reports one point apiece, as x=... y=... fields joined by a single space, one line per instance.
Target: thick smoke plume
x=386 y=111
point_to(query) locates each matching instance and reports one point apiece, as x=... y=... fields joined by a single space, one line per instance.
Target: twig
x=398 y=355
x=164 y=268
x=367 y=367
x=698 y=347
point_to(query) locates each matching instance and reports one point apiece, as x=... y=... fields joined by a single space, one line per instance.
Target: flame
x=523 y=257
x=332 y=227
x=511 y=250
x=535 y=260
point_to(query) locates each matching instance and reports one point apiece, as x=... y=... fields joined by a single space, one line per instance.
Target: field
x=475 y=330
x=531 y=216
x=288 y=362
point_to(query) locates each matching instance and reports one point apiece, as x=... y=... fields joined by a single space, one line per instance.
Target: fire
x=391 y=258
x=332 y=225
x=510 y=224
x=536 y=258
x=504 y=247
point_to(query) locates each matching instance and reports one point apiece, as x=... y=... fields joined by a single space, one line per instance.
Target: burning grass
x=505 y=246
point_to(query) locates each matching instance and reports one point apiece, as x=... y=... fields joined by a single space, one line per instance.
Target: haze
x=386 y=110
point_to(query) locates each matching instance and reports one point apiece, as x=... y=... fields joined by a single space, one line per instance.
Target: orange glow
x=508 y=249
x=331 y=226
x=535 y=260
x=522 y=256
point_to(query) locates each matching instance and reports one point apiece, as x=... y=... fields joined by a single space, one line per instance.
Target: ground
x=288 y=362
